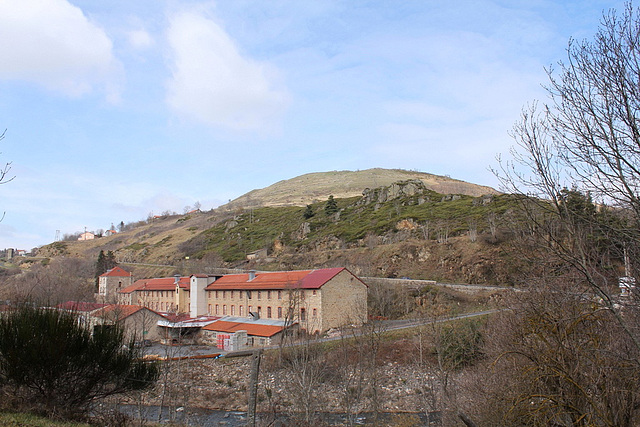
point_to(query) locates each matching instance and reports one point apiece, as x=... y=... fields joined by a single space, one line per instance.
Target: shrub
x=58 y=367
x=459 y=345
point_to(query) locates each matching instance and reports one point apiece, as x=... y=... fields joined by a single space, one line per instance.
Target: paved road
x=385 y=325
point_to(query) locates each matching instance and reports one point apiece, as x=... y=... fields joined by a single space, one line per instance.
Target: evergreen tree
x=104 y=264
x=308 y=212
x=56 y=365
x=110 y=261
x=100 y=266
x=331 y=207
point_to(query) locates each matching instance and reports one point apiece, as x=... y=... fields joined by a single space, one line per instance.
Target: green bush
x=57 y=366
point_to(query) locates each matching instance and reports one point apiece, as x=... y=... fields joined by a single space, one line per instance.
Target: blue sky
x=115 y=110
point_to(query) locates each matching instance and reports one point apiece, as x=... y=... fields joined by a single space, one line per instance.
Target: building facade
x=318 y=300
x=111 y=283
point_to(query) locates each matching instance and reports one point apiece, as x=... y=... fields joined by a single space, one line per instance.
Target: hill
x=401 y=230
x=315 y=187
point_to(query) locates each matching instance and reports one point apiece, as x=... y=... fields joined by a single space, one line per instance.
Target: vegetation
x=17 y=419
x=427 y=215
x=104 y=263
x=54 y=365
x=569 y=351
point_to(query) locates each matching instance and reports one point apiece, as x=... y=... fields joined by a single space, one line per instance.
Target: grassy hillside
x=315 y=187
x=405 y=229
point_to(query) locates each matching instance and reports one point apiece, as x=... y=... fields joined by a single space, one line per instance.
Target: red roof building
x=111 y=282
x=316 y=299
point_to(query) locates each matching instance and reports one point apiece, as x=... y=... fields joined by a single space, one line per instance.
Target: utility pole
x=253 y=391
x=256 y=355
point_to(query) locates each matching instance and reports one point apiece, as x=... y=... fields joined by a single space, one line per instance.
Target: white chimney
x=197 y=294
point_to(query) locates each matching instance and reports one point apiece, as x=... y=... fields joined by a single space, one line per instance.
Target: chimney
x=252 y=275
x=176 y=279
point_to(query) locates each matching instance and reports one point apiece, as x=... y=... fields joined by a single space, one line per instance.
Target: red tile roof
x=252 y=329
x=117 y=272
x=158 y=284
x=302 y=279
x=80 y=306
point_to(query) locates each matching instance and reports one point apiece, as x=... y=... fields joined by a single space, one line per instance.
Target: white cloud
x=140 y=39
x=214 y=84
x=52 y=43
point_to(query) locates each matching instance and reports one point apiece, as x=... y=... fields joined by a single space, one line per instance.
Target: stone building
x=317 y=300
x=139 y=323
x=111 y=282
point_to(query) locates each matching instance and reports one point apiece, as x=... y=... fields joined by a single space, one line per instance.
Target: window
x=259 y=294
x=224 y=294
x=259 y=311
x=303 y=314
x=209 y=309
x=268 y=294
x=249 y=294
x=250 y=309
x=217 y=309
x=279 y=312
x=241 y=311
x=217 y=296
x=224 y=310
x=279 y=294
x=315 y=293
x=268 y=312
x=315 y=312
x=231 y=294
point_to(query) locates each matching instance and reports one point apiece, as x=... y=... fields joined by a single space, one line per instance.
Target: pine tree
x=104 y=264
x=331 y=207
x=100 y=266
x=110 y=261
x=308 y=212
x=59 y=367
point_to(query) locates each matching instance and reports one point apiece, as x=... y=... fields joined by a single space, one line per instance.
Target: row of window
x=160 y=306
x=250 y=294
x=158 y=294
x=222 y=310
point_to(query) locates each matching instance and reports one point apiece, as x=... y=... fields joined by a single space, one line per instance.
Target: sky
x=115 y=110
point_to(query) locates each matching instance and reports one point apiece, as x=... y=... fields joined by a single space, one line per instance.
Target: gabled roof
x=252 y=328
x=301 y=279
x=118 y=312
x=80 y=306
x=116 y=272
x=158 y=284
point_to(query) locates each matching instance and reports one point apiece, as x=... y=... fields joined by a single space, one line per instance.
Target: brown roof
x=116 y=271
x=301 y=279
x=251 y=328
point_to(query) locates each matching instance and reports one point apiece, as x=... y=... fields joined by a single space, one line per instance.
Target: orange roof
x=116 y=271
x=158 y=284
x=302 y=279
x=251 y=328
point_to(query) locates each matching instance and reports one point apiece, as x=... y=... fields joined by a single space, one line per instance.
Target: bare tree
x=577 y=168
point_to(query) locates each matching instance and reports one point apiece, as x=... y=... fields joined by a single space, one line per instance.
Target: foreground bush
x=56 y=366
